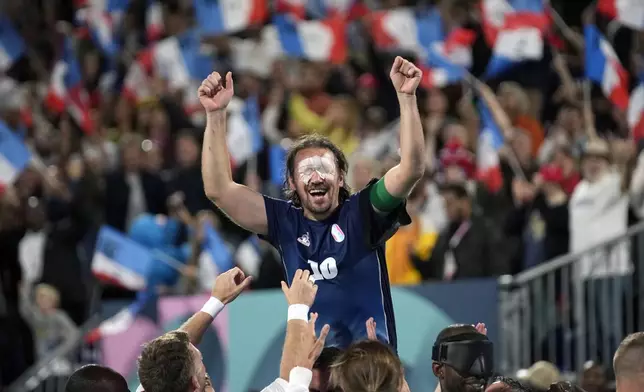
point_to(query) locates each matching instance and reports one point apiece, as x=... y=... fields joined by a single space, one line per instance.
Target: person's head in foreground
x=462 y=359
x=322 y=369
x=629 y=364
x=316 y=170
x=506 y=384
x=170 y=363
x=367 y=366
x=96 y=378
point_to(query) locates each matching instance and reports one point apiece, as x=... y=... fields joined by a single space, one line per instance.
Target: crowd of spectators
x=562 y=189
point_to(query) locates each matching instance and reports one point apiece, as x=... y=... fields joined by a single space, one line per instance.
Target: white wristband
x=300 y=376
x=213 y=306
x=298 y=312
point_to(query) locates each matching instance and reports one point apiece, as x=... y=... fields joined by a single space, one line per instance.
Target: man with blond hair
x=629 y=364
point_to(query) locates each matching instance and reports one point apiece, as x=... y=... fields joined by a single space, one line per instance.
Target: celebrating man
x=337 y=236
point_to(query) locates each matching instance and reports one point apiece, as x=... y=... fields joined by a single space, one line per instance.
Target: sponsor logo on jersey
x=337 y=233
x=304 y=240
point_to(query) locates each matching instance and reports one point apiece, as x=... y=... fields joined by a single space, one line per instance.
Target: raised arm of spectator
x=301 y=347
x=226 y=288
x=400 y=179
x=243 y=205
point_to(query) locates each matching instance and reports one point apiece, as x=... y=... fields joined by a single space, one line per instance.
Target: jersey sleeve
x=379 y=227
x=278 y=213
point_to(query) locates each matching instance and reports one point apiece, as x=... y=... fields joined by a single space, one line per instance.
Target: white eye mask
x=323 y=165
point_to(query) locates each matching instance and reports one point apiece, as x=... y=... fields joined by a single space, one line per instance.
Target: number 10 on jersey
x=326 y=270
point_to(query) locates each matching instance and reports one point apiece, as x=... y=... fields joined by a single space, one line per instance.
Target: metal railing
x=50 y=374
x=574 y=308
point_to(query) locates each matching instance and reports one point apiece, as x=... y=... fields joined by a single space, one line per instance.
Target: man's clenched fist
x=405 y=76
x=213 y=94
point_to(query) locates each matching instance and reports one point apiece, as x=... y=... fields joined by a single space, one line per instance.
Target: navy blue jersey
x=345 y=254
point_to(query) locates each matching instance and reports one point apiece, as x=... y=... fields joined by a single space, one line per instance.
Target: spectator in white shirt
x=599 y=211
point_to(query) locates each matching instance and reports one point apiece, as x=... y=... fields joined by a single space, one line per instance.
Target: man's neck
x=630 y=385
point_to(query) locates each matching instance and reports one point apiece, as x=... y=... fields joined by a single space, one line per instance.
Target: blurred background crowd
x=103 y=95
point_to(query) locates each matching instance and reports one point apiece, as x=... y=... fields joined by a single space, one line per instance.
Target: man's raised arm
x=400 y=180
x=226 y=288
x=243 y=205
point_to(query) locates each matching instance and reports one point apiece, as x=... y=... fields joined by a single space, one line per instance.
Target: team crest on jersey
x=304 y=240
x=337 y=233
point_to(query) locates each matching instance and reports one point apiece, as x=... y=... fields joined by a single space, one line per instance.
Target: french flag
x=603 y=67
x=136 y=85
x=397 y=29
x=217 y=251
x=489 y=143
x=179 y=60
x=66 y=90
x=317 y=40
x=121 y=261
x=12 y=46
x=14 y=155
x=322 y=9
x=515 y=31
x=154 y=26
x=498 y=15
x=630 y=13
x=439 y=72
x=276 y=164
x=102 y=19
x=244 y=137
x=219 y=17
x=635 y=113
x=421 y=33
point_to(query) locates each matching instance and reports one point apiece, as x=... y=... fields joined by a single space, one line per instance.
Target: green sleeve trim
x=381 y=199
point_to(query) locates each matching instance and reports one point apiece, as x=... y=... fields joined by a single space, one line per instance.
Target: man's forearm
x=296 y=331
x=196 y=326
x=215 y=161
x=412 y=141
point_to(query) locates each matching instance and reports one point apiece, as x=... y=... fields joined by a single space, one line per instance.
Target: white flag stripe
x=103 y=265
x=8 y=172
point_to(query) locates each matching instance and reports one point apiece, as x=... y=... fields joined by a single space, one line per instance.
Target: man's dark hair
x=166 y=363
x=315 y=141
x=96 y=378
x=629 y=357
x=456 y=189
x=326 y=358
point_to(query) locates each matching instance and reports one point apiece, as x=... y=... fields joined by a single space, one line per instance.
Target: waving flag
x=322 y=9
x=276 y=164
x=217 y=250
x=179 y=60
x=12 y=47
x=101 y=19
x=121 y=261
x=14 y=155
x=630 y=13
x=218 y=17
x=322 y=40
x=244 y=130
x=515 y=30
x=603 y=67
x=154 y=26
x=489 y=144
x=439 y=72
x=123 y=320
x=498 y=15
x=66 y=90
x=421 y=33
x=635 y=113
x=136 y=86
